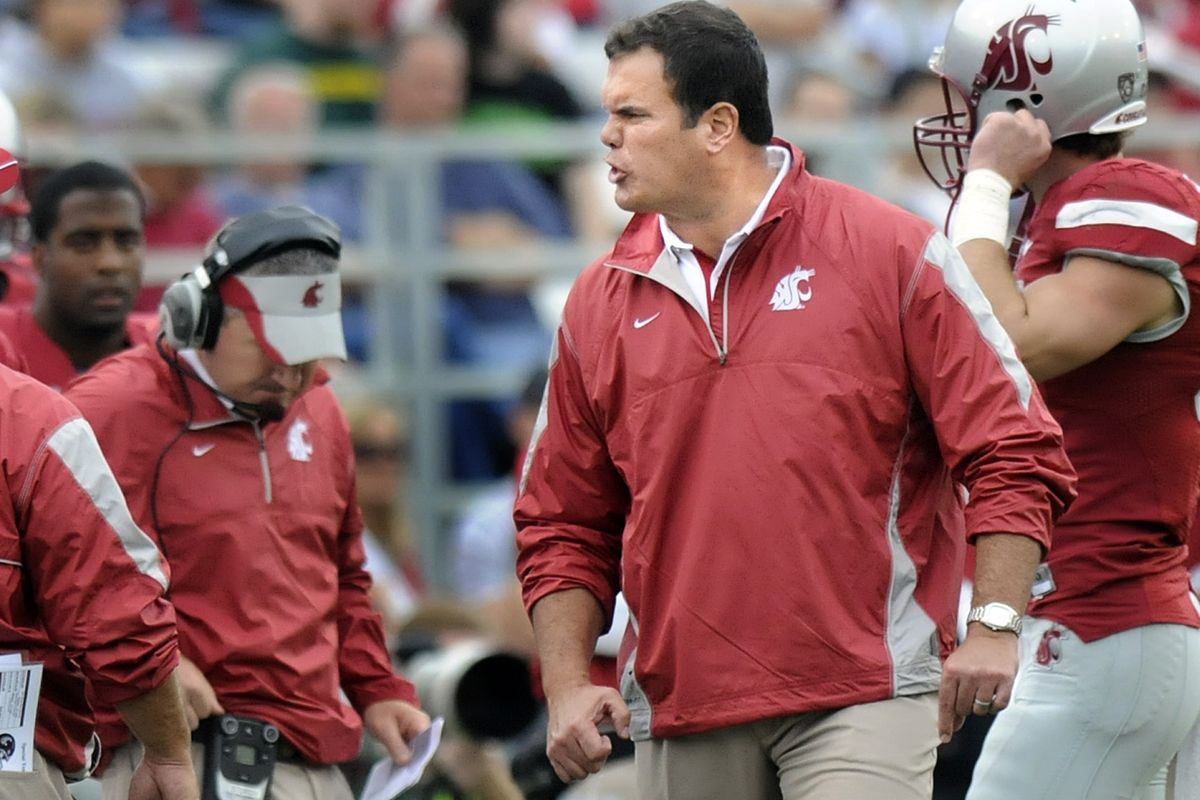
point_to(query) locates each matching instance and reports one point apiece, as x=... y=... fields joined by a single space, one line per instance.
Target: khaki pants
x=46 y=782
x=866 y=752
x=291 y=781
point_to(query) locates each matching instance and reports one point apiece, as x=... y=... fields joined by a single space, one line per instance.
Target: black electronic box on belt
x=239 y=757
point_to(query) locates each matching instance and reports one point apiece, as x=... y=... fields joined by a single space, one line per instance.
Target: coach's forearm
x=1004 y=568
x=566 y=625
x=157 y=720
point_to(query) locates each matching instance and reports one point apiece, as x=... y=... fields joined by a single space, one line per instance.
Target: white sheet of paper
x=20 y=687
x=387 y=778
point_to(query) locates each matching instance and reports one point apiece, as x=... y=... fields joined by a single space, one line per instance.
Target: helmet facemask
x=943 y=141
x=1081 y=68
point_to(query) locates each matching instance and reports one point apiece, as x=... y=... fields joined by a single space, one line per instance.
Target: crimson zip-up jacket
x=81 y=587
x=263 y=533
x=779 y=494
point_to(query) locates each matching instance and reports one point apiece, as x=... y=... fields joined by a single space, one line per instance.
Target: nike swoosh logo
x=201 y=449
x=641 y=323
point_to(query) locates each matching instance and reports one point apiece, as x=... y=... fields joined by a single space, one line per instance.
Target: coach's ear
x=720 y=124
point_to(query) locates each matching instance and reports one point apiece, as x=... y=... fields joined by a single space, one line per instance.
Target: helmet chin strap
x=1018 y=239
x=953 y=204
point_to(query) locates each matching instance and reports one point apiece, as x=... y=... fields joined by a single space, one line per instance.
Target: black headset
x=191 y=311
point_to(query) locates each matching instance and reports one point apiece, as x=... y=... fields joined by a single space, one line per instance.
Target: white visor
x=296 y=318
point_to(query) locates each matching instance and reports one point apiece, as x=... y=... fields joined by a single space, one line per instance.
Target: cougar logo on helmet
x=1007 y=65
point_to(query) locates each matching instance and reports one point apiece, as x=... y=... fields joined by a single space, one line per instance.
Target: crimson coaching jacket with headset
x=777 y=493
x=260 y=525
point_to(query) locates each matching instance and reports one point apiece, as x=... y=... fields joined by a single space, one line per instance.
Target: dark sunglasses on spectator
x=380 y=452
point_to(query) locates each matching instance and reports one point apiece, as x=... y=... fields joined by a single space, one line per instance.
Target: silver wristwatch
x=997 y=616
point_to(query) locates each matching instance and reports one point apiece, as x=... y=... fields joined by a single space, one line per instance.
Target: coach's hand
x=395 y=723
x=977 y=678
x=573 y=740
x=199 y=699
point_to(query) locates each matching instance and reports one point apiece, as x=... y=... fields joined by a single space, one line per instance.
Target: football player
x=1097 y=295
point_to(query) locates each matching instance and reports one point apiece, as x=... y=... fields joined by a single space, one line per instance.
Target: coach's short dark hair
x=87 y=175
x=710 y=56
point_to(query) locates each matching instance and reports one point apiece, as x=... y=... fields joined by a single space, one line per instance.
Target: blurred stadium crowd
x=294 y=71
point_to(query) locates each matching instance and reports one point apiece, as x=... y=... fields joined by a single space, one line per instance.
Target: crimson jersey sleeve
x=1134 y=211
x=1127 y=211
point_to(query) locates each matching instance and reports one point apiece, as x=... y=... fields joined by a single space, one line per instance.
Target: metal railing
x=410 y=272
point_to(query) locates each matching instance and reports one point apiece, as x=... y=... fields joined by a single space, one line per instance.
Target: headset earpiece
x=190 y=311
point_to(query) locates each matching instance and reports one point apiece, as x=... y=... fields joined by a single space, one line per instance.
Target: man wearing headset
x=236 y=459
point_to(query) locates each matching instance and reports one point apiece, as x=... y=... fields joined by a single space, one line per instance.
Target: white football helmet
x=1079 y=65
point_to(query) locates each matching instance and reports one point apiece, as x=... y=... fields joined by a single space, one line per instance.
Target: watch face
x=998 y=617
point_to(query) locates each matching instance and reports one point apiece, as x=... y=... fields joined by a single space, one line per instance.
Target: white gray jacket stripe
x=641 y=713
x=543 y=416
x=76 y=445
x=912 y=639
x=957 y=276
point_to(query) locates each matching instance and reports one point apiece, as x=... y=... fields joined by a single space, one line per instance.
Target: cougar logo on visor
x=1008 y=66
x=312 y=295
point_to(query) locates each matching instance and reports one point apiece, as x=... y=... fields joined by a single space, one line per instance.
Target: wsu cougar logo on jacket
x=1008 y=65
x=298 y=444
x=789 y=296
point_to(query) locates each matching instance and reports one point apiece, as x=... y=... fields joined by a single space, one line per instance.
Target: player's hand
x=395 y=723
x=1014 y=144
x=199 y=699
x=164 y=780
x=573 y=740
x=977 y=678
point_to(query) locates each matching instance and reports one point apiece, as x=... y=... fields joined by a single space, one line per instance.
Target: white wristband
x=982 y=211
